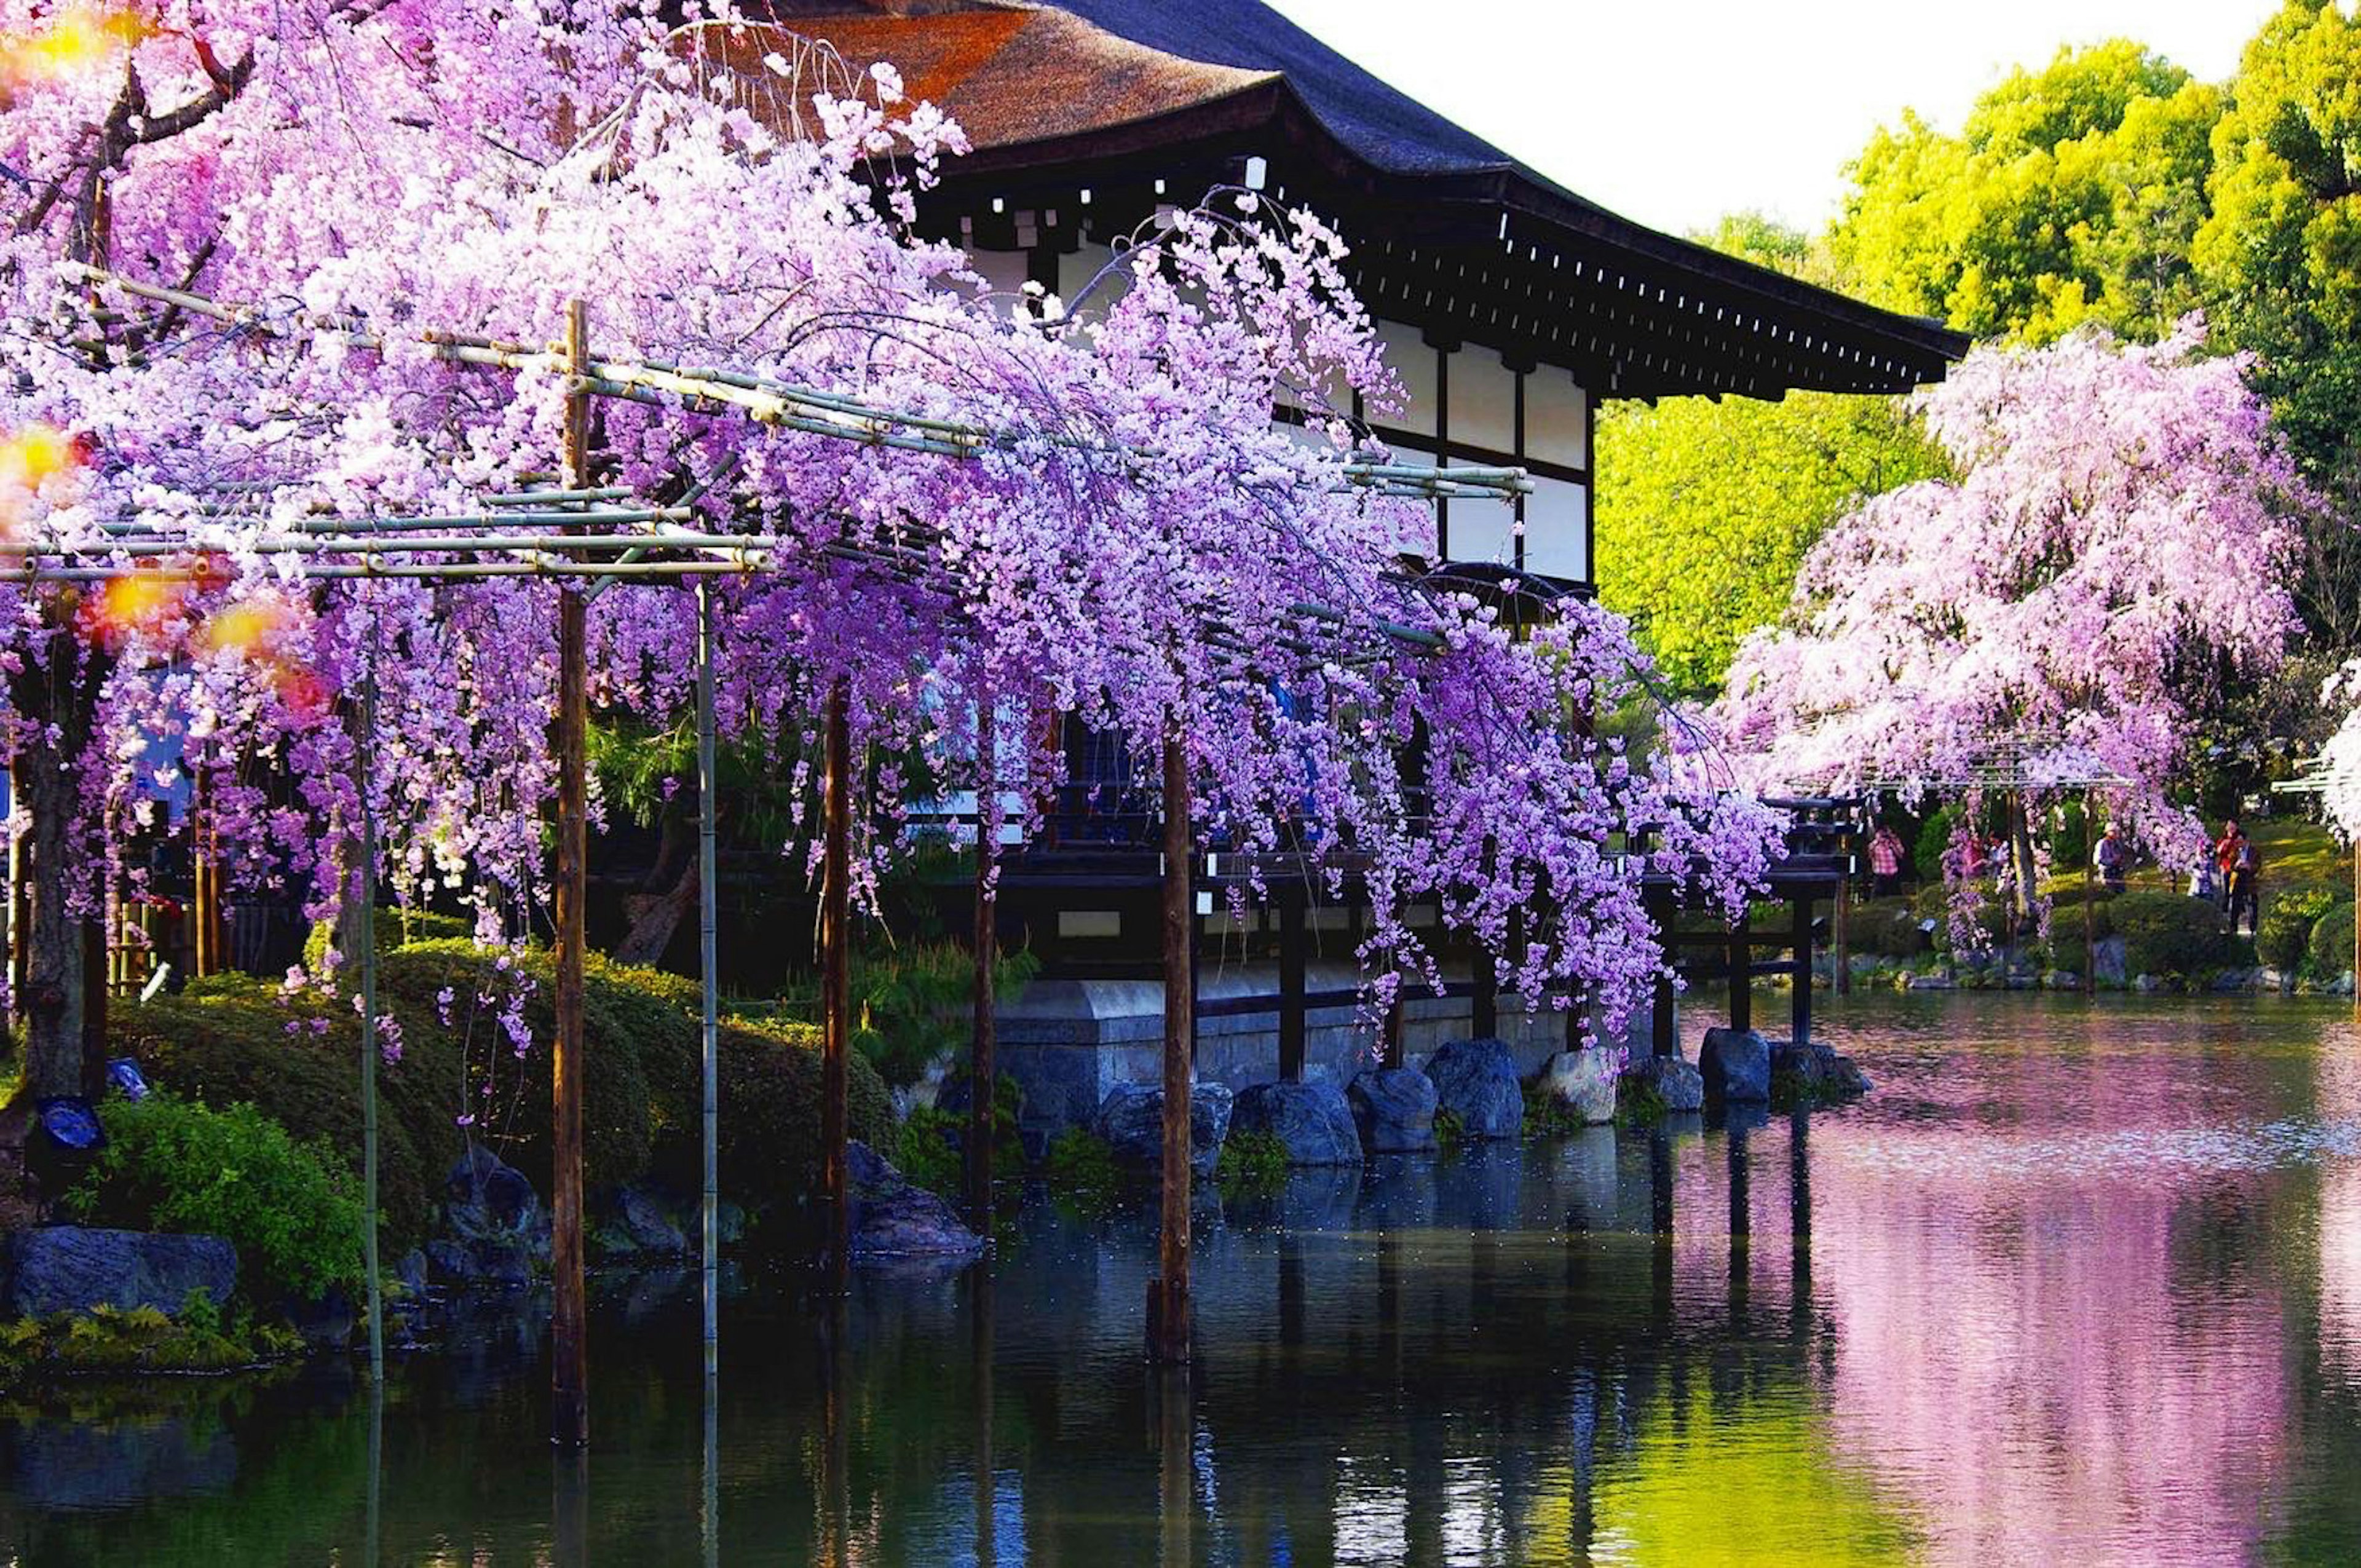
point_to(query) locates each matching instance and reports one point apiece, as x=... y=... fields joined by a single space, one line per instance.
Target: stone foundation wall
x=1069 y=1042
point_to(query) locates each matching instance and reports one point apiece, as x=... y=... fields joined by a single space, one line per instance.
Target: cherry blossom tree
x=364 y=217
x=2113 y=555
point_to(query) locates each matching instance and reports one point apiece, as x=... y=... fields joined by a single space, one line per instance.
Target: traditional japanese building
x=1511 y=308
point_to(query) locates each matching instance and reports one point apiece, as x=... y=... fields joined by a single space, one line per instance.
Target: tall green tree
x=2072 y=194
x=1704 y=510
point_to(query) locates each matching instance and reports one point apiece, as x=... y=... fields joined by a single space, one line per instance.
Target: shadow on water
x=2078 y=1282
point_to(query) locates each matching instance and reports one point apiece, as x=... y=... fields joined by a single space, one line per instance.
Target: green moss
x=1450 y=1131
x=1251 y=1163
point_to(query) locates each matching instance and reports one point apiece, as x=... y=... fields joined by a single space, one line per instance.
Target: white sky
x=1676 y=113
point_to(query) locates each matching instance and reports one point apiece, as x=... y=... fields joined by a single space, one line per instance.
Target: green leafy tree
x=1706 y=509
x=2072 y=194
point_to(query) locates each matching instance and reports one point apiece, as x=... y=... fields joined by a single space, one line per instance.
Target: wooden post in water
x=1167 y=1309
x=204 y=904
x=708 y=975
x=569 y=1376
x=1293 y=1025
x=1740 y=964
x=835 y=983
x=1840 y=934
x=367 y=892
x=1484 y=1011
x=2089 y=896
x=1799 y=999
x=982 y=1107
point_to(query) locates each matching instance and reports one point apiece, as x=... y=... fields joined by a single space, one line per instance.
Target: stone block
x=1735 y=1065
x=1393 y=1107
x=1312 y=1119
x=1583 y=1082
x=1131 y=1120
x=1477 y=1082
x=1676 y=1083
x=72 y=1268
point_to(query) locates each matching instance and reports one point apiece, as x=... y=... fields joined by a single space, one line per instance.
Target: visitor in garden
x=2113 y=858
x=2245 y=887
x=2225 y=864
x=1886 y=860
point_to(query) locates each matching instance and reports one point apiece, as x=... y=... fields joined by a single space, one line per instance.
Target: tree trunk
x=56 y=699
x=654 y=918
x=2020 y=834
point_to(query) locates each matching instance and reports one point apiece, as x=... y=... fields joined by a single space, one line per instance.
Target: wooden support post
x=987 y=1512
x=835 y=983
x=1169 y=1304
x=366 y=761
x=1294 y=1011
x=980 y=1068
x=1799 y=1001
x=204 y=927
x=1741 y=964
x=20 y=912
x=1839 y=934
x=1664 y=1038
x=1391 y=1044
x=2356 y=923
x=569 y=1376
x=708 y=975
x=2090 y=898
x=1485 y=1009
x=93 y=1007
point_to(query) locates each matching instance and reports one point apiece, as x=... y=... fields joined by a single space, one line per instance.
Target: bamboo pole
x=570 y=1415
x=981 y=1073
x=835 y=1001
x=1168 y=1316
x=709 y=983
x=368 y=894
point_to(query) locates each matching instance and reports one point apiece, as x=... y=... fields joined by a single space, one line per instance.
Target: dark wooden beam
x=1169 y=1305
x=569 y=1377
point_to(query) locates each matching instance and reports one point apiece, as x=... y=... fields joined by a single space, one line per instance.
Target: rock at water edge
x=1312 y=1119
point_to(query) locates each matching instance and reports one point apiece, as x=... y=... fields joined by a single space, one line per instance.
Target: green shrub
x=2331 y=943
x=2284 y=933
x=1888 y=927
x=395 y=929
x=2168 y=933
x=925 y=1152
x=290 y=1208
x=914 y=1005
x=1450 y=1131
x=228 y=1041
x=1546 y=1116
x=2070 y=836
x=1081 y=1170
x=1251 y=1162
x=2066 y=917
x=1933 y=839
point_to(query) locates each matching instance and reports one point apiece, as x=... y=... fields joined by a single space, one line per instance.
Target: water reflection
x=2075 y=1283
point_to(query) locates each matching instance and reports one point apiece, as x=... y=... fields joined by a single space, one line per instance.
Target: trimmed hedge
x=1888 y=927
x=2330 y=945
x=226 y=1040
x=2284 y=933
x=2170 y=933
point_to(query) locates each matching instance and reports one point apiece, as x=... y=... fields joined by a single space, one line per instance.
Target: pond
x=2079 y=1282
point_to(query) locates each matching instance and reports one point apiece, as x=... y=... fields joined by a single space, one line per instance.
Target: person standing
x=1886 y=860
x=2113 y=858
x=2245 y=887
x=2225 y=860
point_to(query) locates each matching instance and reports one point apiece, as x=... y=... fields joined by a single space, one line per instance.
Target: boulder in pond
x=1818 y=1070
x=500 y=1264
x=72 y=1268
x=1393 y=1107
x=1131 y=1120
x=486 y=1202
x=1676 y=1084
x=1583 y=1082
x=1312 y=1119
x=1735 y=1065
x=1477 y=1082
x=893 y=1219
x=638 y=1222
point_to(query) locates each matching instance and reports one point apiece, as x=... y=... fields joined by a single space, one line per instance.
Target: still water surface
x=2079 y=1283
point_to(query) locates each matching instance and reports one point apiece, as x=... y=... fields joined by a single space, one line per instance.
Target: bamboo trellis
x=658 y=546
